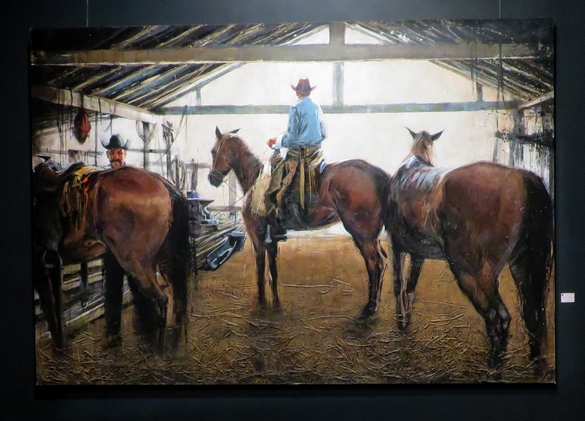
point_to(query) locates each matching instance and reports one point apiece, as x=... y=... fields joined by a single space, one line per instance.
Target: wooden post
x=479 y=91
x=515 y=146
x=337 y=37
x=338 y=79
x=147 y=137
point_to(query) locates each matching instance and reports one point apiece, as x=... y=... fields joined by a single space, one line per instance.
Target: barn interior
x=488 y=84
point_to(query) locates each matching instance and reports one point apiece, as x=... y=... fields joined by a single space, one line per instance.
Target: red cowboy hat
x=303 y=87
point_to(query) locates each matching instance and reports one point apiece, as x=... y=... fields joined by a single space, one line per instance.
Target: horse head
x=224 y=155
x=423 y=144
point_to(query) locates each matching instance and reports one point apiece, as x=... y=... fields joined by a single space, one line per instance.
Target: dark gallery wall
x=565 y=401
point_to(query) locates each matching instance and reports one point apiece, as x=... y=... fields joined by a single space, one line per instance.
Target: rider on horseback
x=303 y=138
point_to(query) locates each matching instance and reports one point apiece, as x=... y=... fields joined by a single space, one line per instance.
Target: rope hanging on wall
x=178 y=173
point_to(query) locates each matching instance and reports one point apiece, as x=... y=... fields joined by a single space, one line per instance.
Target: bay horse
x=353 y=192
x=479 y=217
x=132 y=218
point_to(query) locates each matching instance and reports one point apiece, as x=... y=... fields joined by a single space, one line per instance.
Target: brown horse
x=479 y=217
x=353 y=192
x=129 y=216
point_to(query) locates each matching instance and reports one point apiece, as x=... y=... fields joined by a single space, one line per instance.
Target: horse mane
x=247 y=166
x=422 y=147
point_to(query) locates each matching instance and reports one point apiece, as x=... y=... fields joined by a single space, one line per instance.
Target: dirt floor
x=315 y=338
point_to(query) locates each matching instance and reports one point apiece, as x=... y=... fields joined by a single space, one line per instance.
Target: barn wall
x=534 y=156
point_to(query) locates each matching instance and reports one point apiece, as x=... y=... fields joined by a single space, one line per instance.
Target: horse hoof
x=113 y=341
x=495 y=360
x=402 y=324
x=368 y=311
x=61 y=351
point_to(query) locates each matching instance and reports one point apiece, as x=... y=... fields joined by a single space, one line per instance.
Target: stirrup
x=274 y=237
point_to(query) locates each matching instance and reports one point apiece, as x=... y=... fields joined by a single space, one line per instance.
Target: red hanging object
x=81 y=126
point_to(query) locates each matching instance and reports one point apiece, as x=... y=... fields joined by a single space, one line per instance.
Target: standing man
x=116 y=151
x=303 y=138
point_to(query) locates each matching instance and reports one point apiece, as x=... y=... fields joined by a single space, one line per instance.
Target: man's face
x=117 y=157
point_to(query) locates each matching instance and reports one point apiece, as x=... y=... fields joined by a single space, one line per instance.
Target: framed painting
x=294 y=203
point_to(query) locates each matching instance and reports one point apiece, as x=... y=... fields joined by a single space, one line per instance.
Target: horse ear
x=413 y=134
x=218 y=133
x=436 y=135
x=235 y=131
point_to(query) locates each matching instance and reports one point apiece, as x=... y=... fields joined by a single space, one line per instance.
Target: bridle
x=215 y=173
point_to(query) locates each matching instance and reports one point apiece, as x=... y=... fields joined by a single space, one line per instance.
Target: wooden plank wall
x=531 y=144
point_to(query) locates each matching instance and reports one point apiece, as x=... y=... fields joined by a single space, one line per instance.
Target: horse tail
x=532 y=260
x=384 y=193
x=180 y=248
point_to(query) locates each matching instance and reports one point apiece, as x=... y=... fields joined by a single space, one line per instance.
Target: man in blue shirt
x=305 y=121
x=303 y=138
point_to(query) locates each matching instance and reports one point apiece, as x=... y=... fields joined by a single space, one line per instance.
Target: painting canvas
x=294 y=203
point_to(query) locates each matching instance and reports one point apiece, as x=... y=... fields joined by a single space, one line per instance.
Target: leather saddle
x=299 y=194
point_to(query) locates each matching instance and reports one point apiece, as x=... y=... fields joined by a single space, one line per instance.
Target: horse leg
x=51 y=305
x=260 y=250
x=113 y=284
x=272 y=250
x=176 y=280
x=145 y=320
x=147 y=283
x=372 y=252
x=481 y=287
x=405 y=286
x=56 y=276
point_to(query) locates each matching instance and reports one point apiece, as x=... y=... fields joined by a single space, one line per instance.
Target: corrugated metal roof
x=151 y=86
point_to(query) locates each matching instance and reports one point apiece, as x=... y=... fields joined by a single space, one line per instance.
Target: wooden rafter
x=289 y=53
x=537 y=101
x=107 y=106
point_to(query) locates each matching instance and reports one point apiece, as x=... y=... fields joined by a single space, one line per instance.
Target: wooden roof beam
x=345 y=109
x=537 y=101
x=288 y=53
x=106 y=106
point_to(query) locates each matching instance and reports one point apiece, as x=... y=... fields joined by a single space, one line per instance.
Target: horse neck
x=247 y=169
x=422 y=152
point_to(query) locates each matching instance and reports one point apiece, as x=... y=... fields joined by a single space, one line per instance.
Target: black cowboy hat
x=303 y=87
x=116 y=142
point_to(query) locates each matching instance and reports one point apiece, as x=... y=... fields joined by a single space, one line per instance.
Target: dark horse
x=479 y=217
x=353 y=192
x=129 y=216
